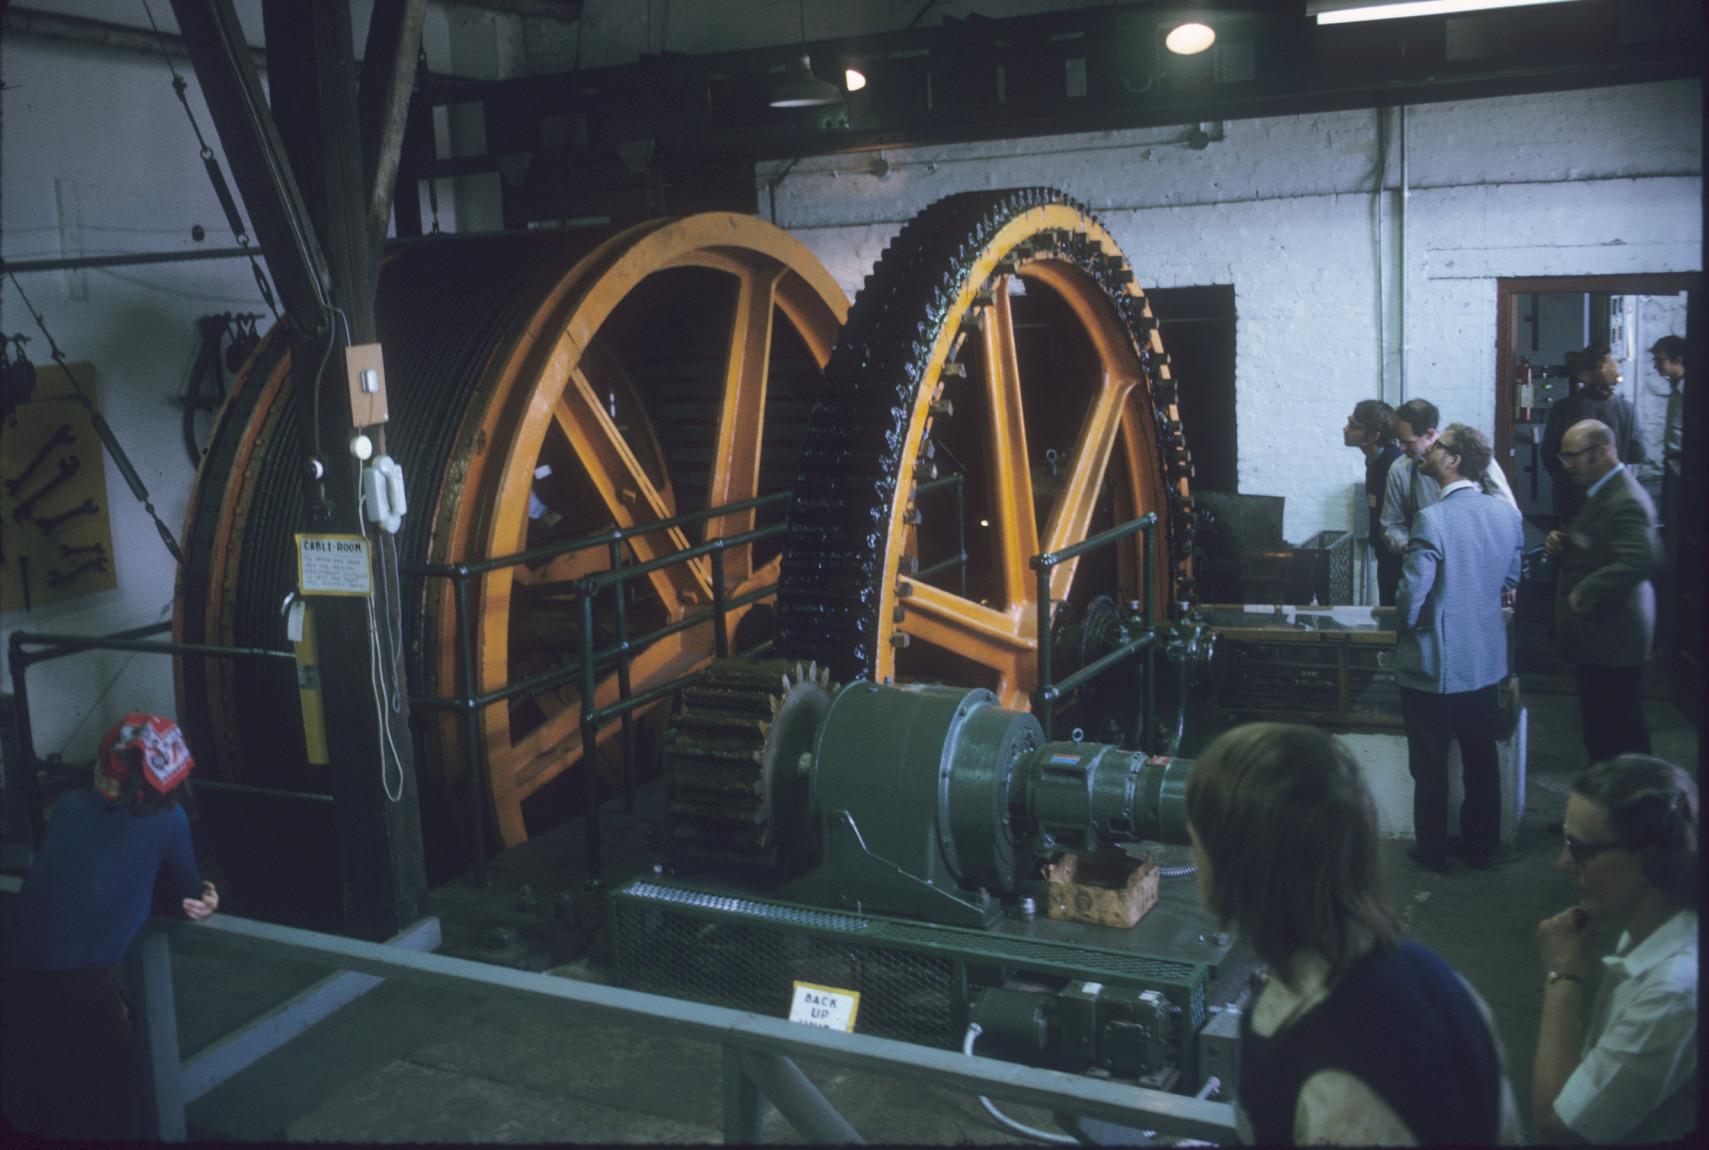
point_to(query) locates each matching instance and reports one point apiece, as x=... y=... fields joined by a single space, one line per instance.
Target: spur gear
x=734 y=755
x=1001 y=333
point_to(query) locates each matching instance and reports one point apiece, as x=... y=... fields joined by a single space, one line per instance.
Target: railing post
x=471 y=730
x=22 y=820
x=741 y=1101
x=1046 y=705
x=621 y=589
x=720 y=637
x=148 y=979
x=590 y=730
x=798 y=1100
x=961 y=529
x=1150 y=585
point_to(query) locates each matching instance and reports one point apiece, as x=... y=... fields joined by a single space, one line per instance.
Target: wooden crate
x=1110 y=888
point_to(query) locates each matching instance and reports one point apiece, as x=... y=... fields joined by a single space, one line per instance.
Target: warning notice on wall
x=824 y=1006
x=332 y=565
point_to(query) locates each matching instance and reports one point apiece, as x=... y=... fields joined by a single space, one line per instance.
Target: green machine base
x=916 y=980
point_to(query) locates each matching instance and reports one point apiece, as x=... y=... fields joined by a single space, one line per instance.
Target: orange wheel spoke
x=1072 y=513
x=1000 y=640
x=629 y=496
x=736 y=464
x=1010 y=474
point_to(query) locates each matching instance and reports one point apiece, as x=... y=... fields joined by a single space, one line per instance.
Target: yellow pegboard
x=54 y=431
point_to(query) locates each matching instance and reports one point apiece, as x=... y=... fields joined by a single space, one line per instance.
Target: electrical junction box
x=365 y=371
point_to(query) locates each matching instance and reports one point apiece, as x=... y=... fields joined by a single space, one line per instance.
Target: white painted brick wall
x=1287 y=210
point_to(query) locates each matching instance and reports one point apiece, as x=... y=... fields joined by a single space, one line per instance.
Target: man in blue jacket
x=1462 y=555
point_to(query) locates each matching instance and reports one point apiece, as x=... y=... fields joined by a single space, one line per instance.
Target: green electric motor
x=935 y=801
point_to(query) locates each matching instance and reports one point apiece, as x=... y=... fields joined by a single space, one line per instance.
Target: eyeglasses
x=1583 y=852
x=1567 y=456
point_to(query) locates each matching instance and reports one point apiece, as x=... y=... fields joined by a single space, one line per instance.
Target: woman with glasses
x=1358 y=1037
x=1631 y=844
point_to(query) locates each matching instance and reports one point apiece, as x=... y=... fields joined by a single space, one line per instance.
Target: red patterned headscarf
x=153 y=740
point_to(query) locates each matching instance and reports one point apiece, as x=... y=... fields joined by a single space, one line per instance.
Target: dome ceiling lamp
x=1189 y=37
x=798 y=87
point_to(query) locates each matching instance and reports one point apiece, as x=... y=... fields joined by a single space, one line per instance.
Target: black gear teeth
x=832 y=579
x=721 y=787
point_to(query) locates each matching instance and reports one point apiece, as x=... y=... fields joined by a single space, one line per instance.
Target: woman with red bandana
x=111 y=854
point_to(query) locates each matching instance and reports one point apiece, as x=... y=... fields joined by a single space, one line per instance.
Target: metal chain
x=215 y=175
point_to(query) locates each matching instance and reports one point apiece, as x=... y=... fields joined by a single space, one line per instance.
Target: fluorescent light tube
x=1329 y=13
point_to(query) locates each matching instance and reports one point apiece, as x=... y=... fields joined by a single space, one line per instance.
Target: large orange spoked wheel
x=543 y=388
x=1001 y=337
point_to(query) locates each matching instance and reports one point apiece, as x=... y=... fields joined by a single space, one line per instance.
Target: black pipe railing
x=590 y=660
x=1046 y=694
x=22 y=782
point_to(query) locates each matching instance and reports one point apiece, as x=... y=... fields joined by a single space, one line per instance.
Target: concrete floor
x=405 y=1065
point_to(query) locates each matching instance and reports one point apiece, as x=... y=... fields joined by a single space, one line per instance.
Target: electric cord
x=386 y=699
x=974 y=1030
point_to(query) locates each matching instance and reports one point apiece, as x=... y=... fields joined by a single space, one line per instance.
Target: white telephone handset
x=383 y=493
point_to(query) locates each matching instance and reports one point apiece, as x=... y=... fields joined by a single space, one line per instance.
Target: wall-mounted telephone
x=383 y=493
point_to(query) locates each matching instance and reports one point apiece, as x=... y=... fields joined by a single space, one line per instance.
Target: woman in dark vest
x=112 y=853
x=1357 y=1037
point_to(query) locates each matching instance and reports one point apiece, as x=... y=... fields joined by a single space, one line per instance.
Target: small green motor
x=934 y=801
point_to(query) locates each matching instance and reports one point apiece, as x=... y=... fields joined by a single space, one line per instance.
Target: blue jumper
x=1403 y=1023
x=92 y=885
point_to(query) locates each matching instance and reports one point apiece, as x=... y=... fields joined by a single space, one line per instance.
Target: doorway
x=1542 y=326
x=1539 y=321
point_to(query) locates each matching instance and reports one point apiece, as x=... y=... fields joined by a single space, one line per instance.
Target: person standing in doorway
x=1605 y=606
x=1597 y=374
x=1452 y=651
x=1668 y=357
x=1371 y=429
x=111 y=852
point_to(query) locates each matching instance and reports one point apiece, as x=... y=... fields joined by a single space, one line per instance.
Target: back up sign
x=824 y=1006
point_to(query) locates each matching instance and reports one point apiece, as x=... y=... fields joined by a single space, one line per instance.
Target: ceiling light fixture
x=854 y=79
x=799 y=87
x=1190 y=38
x=1356 y=11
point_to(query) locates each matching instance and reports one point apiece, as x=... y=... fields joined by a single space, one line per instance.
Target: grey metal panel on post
x=226 y=1057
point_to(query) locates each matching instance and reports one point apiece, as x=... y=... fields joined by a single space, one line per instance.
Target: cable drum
x=541 y=388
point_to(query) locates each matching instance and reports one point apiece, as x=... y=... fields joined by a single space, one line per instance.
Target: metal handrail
x=758 y=1050
x=1045 y=695
x=22 y=790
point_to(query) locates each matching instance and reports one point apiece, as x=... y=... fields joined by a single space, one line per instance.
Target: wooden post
x=301 y=172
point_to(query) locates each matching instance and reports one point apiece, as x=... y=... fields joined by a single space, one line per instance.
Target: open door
x=1540 y=320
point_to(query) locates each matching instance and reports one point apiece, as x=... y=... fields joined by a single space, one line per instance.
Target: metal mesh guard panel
x=747 y=956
